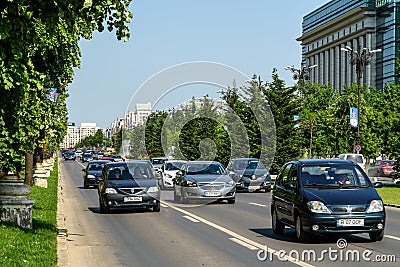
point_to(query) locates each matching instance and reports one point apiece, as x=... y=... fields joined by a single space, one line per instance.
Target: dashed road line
x=256 y=204
x=191 y=219
x=244 y=244
x=239 y=237
x=393 y=237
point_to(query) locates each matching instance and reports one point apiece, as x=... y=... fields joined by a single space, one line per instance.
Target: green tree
x=38 y=50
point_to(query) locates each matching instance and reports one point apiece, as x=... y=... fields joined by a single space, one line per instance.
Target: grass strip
x=390 y=195
x=36 y=246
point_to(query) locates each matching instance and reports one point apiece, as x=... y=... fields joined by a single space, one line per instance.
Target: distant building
x=131 y=119
x=76 y=134
x=358 y=24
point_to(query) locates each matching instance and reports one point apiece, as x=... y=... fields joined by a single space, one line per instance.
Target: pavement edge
x=62 y=248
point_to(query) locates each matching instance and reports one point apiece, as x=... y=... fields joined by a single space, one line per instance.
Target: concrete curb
x=392 y=205
x=62 y=248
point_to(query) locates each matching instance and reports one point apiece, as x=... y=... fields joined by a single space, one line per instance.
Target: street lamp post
x=301 y=74
x=360 y=59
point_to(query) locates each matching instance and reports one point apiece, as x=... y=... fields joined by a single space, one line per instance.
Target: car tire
x=157 y=208
x=376 y=236
x=176 y=199
x=103 y=208
x=231 y=201
x=300 y=234
x=85 y=184
x=277 y=226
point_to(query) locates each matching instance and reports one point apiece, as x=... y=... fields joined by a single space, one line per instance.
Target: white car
x=357 y=158
x=168 y=172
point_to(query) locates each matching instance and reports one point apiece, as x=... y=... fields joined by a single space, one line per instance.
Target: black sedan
x=249 y=174
x=203 y=180
x=69 y=155
x=326 y=196
x=92 y=172
x=128 y=184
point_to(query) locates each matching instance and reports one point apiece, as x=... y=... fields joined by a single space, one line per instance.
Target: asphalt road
x=217 y=234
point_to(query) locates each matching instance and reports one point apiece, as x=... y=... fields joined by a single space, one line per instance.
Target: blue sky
x=253 y=37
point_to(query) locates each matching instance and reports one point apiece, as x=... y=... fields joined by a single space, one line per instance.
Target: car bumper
x=197 y=193
x=253 y=185
x=328 y=223
x=92 y=181
x=120 y=201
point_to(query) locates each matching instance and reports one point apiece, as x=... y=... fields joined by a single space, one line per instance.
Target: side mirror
x=289 y=186
x=378 y=184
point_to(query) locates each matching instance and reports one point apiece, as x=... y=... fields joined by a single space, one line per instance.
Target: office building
x=358 y=24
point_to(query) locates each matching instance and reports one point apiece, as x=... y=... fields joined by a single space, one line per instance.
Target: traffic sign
x=358 y=148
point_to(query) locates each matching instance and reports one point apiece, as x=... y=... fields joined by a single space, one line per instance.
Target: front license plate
x=128 y=199
x=254 y=187
x=350 y=222
x=212 y=193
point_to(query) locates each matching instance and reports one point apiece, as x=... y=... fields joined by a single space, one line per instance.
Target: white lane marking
x=240 y=237
x=256 y=204
x=191 y=219
x=393 y=237
x=164 y=206
x=244 y=244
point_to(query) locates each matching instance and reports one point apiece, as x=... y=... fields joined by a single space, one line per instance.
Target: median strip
x=256 y=204
x=242 y=243
x=393 y=237
x=191 y=219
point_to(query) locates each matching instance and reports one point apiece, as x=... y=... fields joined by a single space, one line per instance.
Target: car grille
x=253 y=177
x=132 y=191
x=348 y=209
x=212 y=186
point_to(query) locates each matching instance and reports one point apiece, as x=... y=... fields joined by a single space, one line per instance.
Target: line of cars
x=315 y=197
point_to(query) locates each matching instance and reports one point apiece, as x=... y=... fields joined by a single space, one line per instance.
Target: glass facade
x=384 y=35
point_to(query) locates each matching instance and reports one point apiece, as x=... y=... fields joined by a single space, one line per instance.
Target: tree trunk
x=29 y=169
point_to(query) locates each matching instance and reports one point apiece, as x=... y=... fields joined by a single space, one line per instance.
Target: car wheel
x=175 y=196
x=157 y=208
x=300 y=234
x=231 y=201
x=103 y=208
x=182 y=198
x=85 y=184
x=376 y=236
x=277 y=226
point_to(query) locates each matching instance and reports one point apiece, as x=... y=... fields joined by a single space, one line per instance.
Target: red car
x=381 y=168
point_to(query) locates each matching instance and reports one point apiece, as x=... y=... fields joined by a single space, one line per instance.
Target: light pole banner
x=353 y=117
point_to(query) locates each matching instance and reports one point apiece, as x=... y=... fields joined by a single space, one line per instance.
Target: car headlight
x=191 y=183
x=152 y=189
x=91 y=176
x=230 y=183
x=111 y=191
x=375 y=206
x=317 y=207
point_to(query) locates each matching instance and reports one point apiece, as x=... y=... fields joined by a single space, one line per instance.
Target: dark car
x=92 y=172
x=128 y=184
x=86 y=157
x=203 y=180
x=381 y=168
x=69 y=155
x=326 y=196
x=249 y=174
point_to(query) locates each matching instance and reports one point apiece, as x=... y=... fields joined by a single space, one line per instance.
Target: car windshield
x=87 y=155
x=126 y=171
x=95 y=166
x=173 y=166
x=244 y=164
x=333 y=175
x=388 y=162
x=157 y=161
x=355 y=158
x=205 y=168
